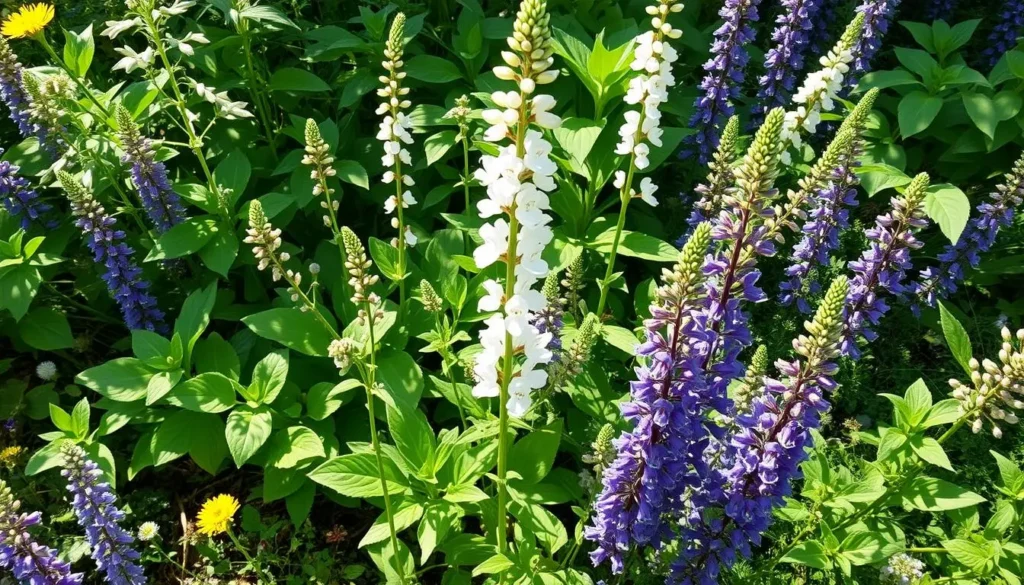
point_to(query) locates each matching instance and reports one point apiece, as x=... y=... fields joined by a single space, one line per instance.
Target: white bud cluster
x=653 y=57
x=995 y=390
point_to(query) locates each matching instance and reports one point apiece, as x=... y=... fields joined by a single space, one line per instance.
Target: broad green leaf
x=432 y=69
x=247 y=430
x=810 y=553
x=232 y=174
x=79 y=49
x=978 y=557
x=499 y=563
x=916 y=112
x=919 y=401
x=356 y=475
x=936 y=495
x=173 y=438
x=1010 y=473
x=636 y=245
x=194 y=317
x=533 y=456
x=120 y=379
x=214 y=354
x=931 y=451
x=982 y=112
x=943 y=412
x=269 y=376
x=296 y=80
x=160 y=384
x=292 y=328
x=949 y=207
x=209 y=448
x=211 y=392
x=436 y=145
x=325 y=398
x=863 y=548
x=46 y=329
x=290 y=447
x=887 y=79
x=406 y=513
x=183 y=239
x=18 y=286
x=413 y=436
x=439 y=519
x=401 y=377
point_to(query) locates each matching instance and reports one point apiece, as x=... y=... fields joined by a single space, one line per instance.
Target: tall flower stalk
x=12 y=92
x=720 y=176
x=725 y=72
x=936 y=282
x=161 y=203
x=28 y=560
x=394 y=132
x=765 y=453
x=831 y=188
x=93 y=502
x=123 y=276
x=884 y=265
x=821 y=88
x=941 y=10
x=517 y=182
x=786 y=58
x=19 y=198
x=461 y=113
x=877 y=18
x=653 y=58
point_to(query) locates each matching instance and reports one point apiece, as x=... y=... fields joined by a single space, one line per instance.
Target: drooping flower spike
x=784 y=60
x=394 y=133
x=937 y=282
x=518 y=181
x=93 y=502
x=665 y=412
x=994 y=391
x=821 y=88
x=20 y=554
x=883 y=266
x=20 y=199
x=723 y=524
x=161 y=203
x=725 y=72
x=122 y=275
x=318 y=156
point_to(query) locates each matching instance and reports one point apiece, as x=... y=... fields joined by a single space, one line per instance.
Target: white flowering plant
x=443 y=292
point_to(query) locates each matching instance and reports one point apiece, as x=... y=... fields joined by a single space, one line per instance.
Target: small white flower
x=620 y=179
x=47 y=371
x=116 y=27
x=132 y=60
x=647 y=189
x=148 y=531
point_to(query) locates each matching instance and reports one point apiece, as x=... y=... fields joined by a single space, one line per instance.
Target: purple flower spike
x=123 y=276
x=877 y=17
x=938 y=282
x=725 y=75
x=12 y=92
x=162 y=204
x=786 y=58
x=884 y=264
x=1009 y=25
x=820 y=35
x=19 y=198
x=94 y=504
x=30 y=562
x=764 y=455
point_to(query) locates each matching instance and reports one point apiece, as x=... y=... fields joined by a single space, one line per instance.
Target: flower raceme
x=13 y=93
x=25 y=558
x=162 y=204
x=518 y=181
x=720 y=176
x=786 y=58
x=1009 y=24
x=93 y=502
x=994 y=391
x=123 y=276
x=877 y=16
x=394 y=133
x=19 y=198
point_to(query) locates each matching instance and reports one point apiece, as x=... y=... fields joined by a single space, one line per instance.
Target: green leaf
x=220 y=252
x=79 y=49
x=46 y=329
x=247 y=430
x=956 y=338
x=183 y=239
x=949 y=207
x=499 y=563
x=887 y=79
x=173 y=438
x=439 y=519
x=432 y=69
x=919 y=401
x=1010 y=473
x=892 y=441
x=943 y=413
x=413 y=436
x=18 y=286
x=577 y=137
x=325 y=398
x=935 y=495
x=931 y=451
x=918 y=61
x=620 y=337
x=292 y=328
x=401 y=377
x=352 y=172
x=233 y=174
x=916 y=112
x=810 y=553
x=385 y=256
x=296 y=80
x=533 y=456
x=80 y=419
x=120 y=379
x=356 y=476
x=293 y=446
x=209 y=448
x=406 y=513
x=210 y=392
x=636 y=245
x=981 y=111
x=863 y=548
x=977 y=557
x=269 y=376
x=542 y=524
x=300 y=503
x=272 y=14
x=160 y=384
x=214 y=354
x=438 y=144
x=150 y=347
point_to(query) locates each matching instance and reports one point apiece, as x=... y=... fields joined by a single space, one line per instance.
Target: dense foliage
x=461 y=291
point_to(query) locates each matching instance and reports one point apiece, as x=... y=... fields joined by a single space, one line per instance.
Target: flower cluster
x=12 y=92
x=19 y=198
x=518 y=181
x=162 y=204
x=751 y=385
x=394 y=132
x=653 y=57
x=902 y=569
x=821 y=87
x=1009 y=26
x=460 y=113
x=831 y=185
x=225 y=106
x=123 y=276
x=786 y=58
x=27 y=560
x=45 y=110
x=665 y=413
x=358 y=265
x=318 y=155
x=884 y=264
x=549 y=318
x=94 y=505
x=47 y=371
x=877 y=17
x=724 y=76
x=764 y=455
x=571 y=361
x=995 y=390
x=978 y=237
x=266 y=242
x=720 y=176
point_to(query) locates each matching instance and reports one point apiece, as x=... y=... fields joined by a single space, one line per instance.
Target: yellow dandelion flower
x=9 y=457
x=215 y=515
x=28 y=21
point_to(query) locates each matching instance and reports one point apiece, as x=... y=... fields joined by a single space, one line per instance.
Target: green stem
x=401 y=237
x=41 y=37
x=927 y=550
x=372 y=374
x=245 y=553
x=465 y=168
x=606 y=283
x=451 y=374
x=255 y=86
